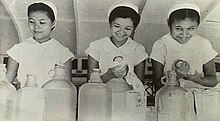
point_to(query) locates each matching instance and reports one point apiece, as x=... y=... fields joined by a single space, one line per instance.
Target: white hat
x=122 y=3
x=183 y=5
x=51 y=5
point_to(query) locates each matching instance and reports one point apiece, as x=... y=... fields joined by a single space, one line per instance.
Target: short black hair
x=41 y=7
x=125 y=12
x=182 y=14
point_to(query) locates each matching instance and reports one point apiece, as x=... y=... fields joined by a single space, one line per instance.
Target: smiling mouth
x=184 y=38
x=120 y=36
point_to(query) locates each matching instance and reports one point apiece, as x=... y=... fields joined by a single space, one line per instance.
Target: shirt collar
x=174 y=43
x=126 y=43
x=47 y=44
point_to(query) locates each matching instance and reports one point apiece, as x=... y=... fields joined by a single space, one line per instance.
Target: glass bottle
x=173 y=102
x=8 y=96
x=95 y=100
x=30 y=101
x=60 y=97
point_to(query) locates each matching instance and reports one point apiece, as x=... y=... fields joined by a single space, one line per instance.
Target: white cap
x=183 y=5
x=122 y=3
x=51 y=5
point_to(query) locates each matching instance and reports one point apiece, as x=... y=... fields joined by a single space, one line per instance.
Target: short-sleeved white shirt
x=38 y=59
x=197 y=51
x=104 y=51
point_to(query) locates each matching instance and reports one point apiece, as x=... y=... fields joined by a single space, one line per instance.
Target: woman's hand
x=115 y=72
x=194 y=78
x=119 y=71
x=181 y=68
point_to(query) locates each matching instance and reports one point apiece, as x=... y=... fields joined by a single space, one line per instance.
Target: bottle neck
x=31 y=81
x=95 y=78
x=171 y=76
x=3 y=72
x=59 y=73
x=3 y=75
x=172 y=83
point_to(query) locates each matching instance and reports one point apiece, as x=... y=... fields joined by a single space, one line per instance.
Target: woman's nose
x=121 y=30
x=184 y=33
x=36 y=26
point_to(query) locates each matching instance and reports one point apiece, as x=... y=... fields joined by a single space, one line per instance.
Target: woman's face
x=121 y=29
x=183 y=30
x=40 y=26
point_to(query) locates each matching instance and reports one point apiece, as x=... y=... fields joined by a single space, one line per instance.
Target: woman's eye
x=42 y=22
x=31 y=22
x=191 y=28
x=117 y=26
x=128 y=28
x=179 y=29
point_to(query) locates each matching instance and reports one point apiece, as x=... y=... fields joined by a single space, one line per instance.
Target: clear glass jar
x=8 y=96
x=173 y=102
x=95 y=100
x=60 y=97
x=30 y=101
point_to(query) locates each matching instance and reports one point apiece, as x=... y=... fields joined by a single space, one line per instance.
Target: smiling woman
x=183 y=43
x=39 y=53
x=123 y=20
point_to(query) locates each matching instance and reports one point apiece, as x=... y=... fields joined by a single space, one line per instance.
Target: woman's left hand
x=194 y=78
x=181 y=68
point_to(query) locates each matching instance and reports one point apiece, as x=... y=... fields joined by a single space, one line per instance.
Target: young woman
x=118 y=56
x=38 y=54
x=182 y=43
x=123 y=19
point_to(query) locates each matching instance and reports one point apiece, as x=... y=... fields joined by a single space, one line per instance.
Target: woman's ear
x=168 y=24
x=53 y=25
x=133 y=32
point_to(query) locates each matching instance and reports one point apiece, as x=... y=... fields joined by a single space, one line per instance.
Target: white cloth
x=50 y=4
x=104 y=51
x=197 y=51
x=183 y=5
x=122 y=3
x=38 y=59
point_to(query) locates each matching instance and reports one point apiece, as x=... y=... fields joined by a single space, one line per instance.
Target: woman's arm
x=12 y=68
x=68 y=69
x=157 y=74
x=111 y=73
x=139 y=70
x=209 y=78
x=92 y=63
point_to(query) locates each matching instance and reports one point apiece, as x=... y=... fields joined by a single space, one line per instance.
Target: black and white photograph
x=109 y=60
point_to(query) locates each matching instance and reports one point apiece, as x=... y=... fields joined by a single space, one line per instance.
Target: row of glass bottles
x=55 y=101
